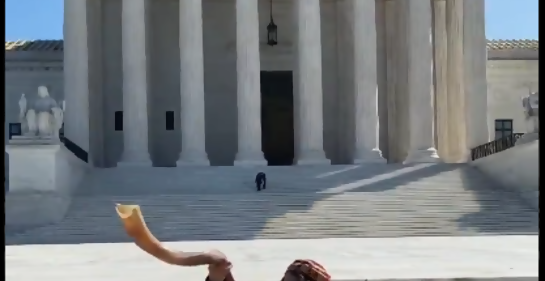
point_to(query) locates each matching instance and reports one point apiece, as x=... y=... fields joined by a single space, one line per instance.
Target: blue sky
x=42 y=19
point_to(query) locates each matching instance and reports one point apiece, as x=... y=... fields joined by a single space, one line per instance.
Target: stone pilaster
x=421 y=109
x=248 y=84
x=475 y=55
x=135 y=100
x=366 y=148
x=192 y=115
x=76 y=73
x=309 y=83
x=440 y=76
x=455 y=76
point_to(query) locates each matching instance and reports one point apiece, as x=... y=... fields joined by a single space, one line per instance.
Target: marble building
x=149 y=82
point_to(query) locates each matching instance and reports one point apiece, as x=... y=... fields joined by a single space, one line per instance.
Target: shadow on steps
x=366 y=201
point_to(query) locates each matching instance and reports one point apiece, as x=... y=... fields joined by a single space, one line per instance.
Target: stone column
x=248 y=85
x=440 y=76
x=365 y=79
x=135 y=100
x=392 y=77
x=76 y=73
x=475 y=54
x=455 y=74
x=309 y=83
x=421 y=109
x=192 y=115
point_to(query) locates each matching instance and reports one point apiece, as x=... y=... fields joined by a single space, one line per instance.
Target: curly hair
x=308 y=270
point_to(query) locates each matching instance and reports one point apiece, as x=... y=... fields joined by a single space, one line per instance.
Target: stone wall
x=508 y=82
x=515 y=169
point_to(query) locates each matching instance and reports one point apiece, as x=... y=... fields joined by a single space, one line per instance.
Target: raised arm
x=176 y=257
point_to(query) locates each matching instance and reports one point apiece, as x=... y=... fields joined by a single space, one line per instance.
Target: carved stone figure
x=22 y=110
x=44 y=118
x=531 y=112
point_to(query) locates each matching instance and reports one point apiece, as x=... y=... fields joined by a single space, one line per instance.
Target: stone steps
x=448 y=200
x=292 y=179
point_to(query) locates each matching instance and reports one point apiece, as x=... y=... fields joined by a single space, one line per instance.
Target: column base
x=250 y=159
x=465 y=158
x=192 y=159
x=422 y=156
x=135 y=164
x=193 y=162
x=369 y=157
x=134 y=161
x=313 y=157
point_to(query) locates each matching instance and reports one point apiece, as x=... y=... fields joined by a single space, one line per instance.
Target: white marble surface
x=345 y=259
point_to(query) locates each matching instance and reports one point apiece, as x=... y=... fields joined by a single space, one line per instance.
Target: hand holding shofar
x=136 y=228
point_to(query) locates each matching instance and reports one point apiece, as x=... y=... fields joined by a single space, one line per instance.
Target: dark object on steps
x=260 y=181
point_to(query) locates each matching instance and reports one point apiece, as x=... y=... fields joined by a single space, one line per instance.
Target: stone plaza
x=411 y=258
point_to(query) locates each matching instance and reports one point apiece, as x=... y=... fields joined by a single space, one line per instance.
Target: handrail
x=75 y=149
x=495 y=146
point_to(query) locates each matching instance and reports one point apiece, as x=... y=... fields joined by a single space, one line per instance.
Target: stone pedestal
x=42 y=177
x=527 y=138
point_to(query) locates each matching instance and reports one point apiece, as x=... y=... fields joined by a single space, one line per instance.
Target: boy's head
x=306 y=270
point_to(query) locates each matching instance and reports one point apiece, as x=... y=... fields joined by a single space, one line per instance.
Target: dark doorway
x=277 y=136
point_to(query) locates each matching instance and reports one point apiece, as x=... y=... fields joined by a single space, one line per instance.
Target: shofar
x=136 y=227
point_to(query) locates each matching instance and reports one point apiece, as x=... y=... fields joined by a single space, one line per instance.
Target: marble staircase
x=220 y=203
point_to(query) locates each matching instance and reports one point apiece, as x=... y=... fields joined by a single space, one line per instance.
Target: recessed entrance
x=277 y=134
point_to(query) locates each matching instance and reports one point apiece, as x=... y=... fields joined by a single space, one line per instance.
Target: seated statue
x=530 y=105
x=219 y=267
x=531 y=112
x=44 y=118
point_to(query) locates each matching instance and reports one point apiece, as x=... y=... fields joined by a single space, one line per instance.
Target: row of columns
x=433 y=33
x=308 y=78
x=409 y=72
x=309 y=112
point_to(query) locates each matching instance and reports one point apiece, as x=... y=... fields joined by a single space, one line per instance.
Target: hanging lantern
x=272 y=31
